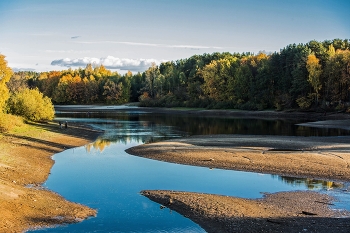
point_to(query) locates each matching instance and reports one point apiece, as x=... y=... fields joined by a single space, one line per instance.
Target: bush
x=8 y=122
x=304 y=102
x=32 y=105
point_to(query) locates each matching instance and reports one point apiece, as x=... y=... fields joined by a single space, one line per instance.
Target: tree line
x=302 y=76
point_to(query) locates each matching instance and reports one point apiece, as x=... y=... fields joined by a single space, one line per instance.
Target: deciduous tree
x=5 y=75
x=315 y=70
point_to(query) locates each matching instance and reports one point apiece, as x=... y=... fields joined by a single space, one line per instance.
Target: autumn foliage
x=32 y=105
x=300 y=76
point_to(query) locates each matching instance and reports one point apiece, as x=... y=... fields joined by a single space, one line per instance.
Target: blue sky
x=47 y=35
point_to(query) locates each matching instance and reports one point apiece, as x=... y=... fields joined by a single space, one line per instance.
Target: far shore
x=268 y=114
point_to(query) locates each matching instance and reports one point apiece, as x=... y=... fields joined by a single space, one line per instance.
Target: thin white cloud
x=15 y=69
x=67 y=51
x=109 y=62
x=151 y=44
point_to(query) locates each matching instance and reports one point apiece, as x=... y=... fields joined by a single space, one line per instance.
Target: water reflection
x=111 y=182
x=147 y=128
x=99 y=144
x=197 y=125
x=310 y=184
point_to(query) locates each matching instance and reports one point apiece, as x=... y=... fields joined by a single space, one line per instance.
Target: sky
x=45 y=35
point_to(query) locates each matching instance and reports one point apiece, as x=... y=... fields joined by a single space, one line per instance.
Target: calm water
x=103 y=176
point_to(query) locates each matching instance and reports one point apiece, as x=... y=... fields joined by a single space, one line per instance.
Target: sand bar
x=279 y=212
x=312 y=157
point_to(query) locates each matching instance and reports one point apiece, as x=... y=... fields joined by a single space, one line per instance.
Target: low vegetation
x=8 y=122
x=32 y=105
x=24 y=102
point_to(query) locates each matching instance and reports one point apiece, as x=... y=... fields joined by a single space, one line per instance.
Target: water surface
x=103 y=176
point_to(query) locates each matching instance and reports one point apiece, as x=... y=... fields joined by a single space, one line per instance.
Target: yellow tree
x=5 y=75
x=315 y=70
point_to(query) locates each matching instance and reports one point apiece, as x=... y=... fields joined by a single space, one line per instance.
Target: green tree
x=337 y=71
x=136 y=85
x=151 y=76
x=218 y=79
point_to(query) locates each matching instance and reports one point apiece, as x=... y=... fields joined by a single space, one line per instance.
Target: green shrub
x=32 y=105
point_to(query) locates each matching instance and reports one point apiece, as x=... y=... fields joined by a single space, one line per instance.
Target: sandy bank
x=313 y=157
x=25 y=160
x=279 y=212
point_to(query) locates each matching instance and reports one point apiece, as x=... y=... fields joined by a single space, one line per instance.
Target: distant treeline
x=304 y=76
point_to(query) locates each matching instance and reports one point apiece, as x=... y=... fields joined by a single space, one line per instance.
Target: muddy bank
x=279 y=212
x=25 y=163
x=313 y=157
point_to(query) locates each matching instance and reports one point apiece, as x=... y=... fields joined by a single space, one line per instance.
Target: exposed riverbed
x=103 y=176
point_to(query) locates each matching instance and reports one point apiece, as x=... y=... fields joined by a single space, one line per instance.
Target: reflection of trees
x=99 y=144
x=123 y=127
x=309 y=183
x=124 y=132
x=196 y=125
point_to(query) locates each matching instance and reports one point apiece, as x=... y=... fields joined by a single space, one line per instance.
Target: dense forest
x=315 y=75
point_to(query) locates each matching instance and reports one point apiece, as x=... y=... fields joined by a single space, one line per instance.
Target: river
x=103 y=176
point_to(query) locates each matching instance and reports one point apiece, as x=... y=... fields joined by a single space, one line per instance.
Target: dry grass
x=9 y=122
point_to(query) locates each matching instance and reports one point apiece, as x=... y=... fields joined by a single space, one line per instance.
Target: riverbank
x=279 y=212
x=312 y=157
x=25 y=163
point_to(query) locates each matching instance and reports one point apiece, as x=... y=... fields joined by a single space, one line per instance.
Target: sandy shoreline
x=25 y=160
x=312 y=157
x=279 y=212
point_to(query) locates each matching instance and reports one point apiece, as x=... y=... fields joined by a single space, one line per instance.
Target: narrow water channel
x=103 y=176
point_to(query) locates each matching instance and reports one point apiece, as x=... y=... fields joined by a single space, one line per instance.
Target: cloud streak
x=150 y=44
x=67 y=51
x=109 y=62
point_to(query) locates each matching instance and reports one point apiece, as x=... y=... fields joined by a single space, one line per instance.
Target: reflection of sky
x=123 y=130
x=110 y=180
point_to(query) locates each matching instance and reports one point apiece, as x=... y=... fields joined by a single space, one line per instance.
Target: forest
x=315 y=76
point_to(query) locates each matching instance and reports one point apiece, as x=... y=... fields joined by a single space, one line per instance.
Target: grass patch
x=35 y=130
